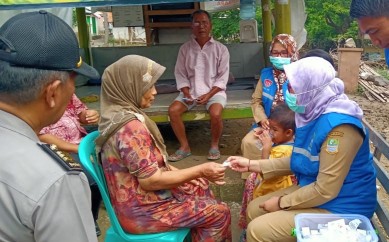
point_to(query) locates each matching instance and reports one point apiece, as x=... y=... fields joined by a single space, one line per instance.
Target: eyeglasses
x=283 y=53
x=198 y=24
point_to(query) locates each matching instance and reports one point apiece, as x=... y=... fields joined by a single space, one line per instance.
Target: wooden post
x=282 y=16
x=349 y=60
x=266 y=28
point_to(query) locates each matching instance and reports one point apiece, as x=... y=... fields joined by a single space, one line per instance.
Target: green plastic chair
x=115 y=233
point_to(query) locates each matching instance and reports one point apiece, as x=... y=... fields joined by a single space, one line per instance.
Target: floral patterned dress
x=68 y=128
x=131 y=155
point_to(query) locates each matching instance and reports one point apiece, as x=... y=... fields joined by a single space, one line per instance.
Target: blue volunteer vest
x=269 y=89
x=358 y=194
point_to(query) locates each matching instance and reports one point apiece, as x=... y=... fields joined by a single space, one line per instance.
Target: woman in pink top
x=68 y=132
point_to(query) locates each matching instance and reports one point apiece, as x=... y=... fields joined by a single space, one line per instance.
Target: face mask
x=291 y=101
x=279 y=62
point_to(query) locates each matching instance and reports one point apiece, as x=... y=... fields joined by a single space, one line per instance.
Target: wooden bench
x=238 y=105
x=380 y=147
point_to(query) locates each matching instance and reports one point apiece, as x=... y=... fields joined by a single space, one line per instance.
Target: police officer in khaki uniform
x=44 y=196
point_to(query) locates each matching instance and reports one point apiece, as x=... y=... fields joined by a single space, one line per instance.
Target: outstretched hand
x=214 y=172
x=238 y=163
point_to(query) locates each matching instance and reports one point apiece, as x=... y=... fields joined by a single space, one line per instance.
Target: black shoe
x=97 y=228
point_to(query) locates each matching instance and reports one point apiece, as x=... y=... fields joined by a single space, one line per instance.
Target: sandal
x=213 y=154
x=179 y=155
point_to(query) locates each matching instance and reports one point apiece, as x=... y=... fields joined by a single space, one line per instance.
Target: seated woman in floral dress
x=148 y=194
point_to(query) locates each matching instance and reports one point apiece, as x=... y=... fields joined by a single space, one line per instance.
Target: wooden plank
x=383 y=215
x=170 y=25
x=369 y=69
x=382 y=175
x=202 y=115
x=381 y=147
x=368 y=95
x=367 y=86
x=377 y=139
x=169 y=12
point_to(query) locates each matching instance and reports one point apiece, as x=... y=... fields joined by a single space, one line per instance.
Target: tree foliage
x=327 y=22
x=225 y=25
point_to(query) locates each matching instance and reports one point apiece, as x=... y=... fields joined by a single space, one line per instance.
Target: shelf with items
x=158 y=16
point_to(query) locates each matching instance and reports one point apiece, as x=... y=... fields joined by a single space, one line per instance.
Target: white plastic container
x=247 y=9
x=312 y=227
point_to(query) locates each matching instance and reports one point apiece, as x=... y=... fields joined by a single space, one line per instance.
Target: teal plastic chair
x=115 y=233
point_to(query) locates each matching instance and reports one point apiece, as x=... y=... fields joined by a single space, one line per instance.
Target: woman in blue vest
x=331 y=157
x=269 y=90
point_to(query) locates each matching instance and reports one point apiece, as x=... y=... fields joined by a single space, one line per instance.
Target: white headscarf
x=322 y=93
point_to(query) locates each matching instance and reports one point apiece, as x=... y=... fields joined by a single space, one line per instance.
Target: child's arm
x=267 y=144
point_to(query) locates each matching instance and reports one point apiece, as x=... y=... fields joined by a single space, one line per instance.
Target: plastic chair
x=115 y=233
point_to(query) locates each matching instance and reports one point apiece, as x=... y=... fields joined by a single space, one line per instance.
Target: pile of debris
x=375 y=87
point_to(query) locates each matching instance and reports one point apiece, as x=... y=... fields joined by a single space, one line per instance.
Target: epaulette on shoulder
x=63 y=158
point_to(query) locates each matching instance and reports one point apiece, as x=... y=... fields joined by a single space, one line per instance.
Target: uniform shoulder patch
x=336 y=133
x=63 y=158
x=332 y=146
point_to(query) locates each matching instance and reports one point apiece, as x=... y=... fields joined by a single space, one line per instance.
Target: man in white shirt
x=201 y=72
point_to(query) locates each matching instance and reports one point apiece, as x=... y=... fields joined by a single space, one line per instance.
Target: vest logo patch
x=268 y=82
x=332 y=146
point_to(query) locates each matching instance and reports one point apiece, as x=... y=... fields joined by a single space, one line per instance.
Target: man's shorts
x=215 y=99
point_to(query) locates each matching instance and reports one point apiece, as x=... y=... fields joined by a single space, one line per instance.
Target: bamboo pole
x=266 y=27
x=83 y=35
x=282 y=16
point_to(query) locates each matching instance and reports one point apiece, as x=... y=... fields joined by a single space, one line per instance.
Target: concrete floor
x=231 y=193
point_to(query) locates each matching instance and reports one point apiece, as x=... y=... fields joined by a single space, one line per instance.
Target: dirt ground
x=375 y=112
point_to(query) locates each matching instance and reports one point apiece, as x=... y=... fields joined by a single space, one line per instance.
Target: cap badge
x=79 y=63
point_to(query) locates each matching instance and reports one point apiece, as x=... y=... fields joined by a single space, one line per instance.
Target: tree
x=332 y=22
x=327 y=22
x=225 y=25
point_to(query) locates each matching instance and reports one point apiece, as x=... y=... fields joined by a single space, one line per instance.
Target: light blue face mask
x=291 y=101
x=279 y=62
x=291 y=98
